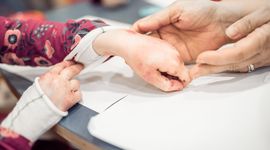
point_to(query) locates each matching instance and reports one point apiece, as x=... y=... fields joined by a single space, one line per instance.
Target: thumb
x=249 y=23
x=160 y=19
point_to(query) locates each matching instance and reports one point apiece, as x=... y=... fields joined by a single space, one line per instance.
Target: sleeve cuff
x=84 y=51
x=34 y=114
x=48 y=101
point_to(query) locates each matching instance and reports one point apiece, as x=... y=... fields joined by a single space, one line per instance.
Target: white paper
x=101 y=86
x=225 y=111
x=108 y=83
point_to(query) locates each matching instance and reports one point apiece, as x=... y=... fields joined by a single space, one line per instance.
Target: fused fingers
x=61 y=66
x=162 y=82
x=70 y=72
x=74 y=85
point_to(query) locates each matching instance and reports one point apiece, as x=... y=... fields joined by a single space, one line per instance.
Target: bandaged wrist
x=34 y=114
x=84 y=51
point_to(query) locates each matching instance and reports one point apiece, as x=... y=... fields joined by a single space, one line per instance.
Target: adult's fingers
x=205 y=69
x=248 y=23
x=238 y=52
x=60 y=66
x=162 y=18
x=71 y=71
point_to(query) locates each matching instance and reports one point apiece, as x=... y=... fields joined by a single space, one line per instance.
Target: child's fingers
x=60 y=66
x=75 y=85
x=70 y=72
x=183 y=74
x=177 y=69
x=164 y=83
x=77 y=96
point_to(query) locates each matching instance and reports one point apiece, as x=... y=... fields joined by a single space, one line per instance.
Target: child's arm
x=41 y=106
x=153 y=59
x=46 y=43
x=40 y=43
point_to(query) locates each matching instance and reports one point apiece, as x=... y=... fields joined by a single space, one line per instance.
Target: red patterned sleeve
x=9 y=140
x=40 y=43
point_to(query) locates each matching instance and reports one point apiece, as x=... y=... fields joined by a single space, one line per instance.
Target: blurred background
x=60 y=10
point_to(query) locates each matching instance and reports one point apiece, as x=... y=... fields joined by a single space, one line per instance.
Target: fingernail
x=232 y=33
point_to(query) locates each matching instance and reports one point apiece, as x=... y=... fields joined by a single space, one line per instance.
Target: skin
x=190 y=26
x=147 y=56
x=197 y=28
x=252 y=33
x=58 y=84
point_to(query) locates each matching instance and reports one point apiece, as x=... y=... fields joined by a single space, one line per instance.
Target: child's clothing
x=36 y=43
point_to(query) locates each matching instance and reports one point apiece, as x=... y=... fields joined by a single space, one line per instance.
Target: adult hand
x=252 y=47
x=154 y=60
x=58 y=84
x=191 y=26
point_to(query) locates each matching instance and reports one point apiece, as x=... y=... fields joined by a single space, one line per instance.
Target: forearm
x=112 y=43
x=26 y=122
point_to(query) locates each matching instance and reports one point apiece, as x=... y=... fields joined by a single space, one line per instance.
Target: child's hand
x=154 y=60
x=58 y=84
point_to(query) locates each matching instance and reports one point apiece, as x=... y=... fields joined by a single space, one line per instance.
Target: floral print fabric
x=37 y=43
x=40 y=43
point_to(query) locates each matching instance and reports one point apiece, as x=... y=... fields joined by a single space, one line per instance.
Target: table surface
x=74 y=126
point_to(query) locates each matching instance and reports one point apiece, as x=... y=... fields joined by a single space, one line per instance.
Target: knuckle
x=245 y=25
x=48 y=75
x=265 y=10
x=239 y=56
x=79 y=96
x=146 y=75
x=233 y=68
x=209 y=70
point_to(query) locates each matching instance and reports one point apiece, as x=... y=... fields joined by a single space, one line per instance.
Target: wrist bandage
x=34 y=114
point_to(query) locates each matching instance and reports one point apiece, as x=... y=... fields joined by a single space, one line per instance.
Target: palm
x=198 y=30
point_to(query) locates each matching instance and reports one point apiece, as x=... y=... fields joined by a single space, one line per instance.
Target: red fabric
x=2 y=116
x=37 y=43
x=40 y=43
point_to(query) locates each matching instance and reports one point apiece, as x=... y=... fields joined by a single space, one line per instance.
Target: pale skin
x=147 y=56
x=196 y=26
x=199 y=30
x=252 y=34
x=60 y=86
